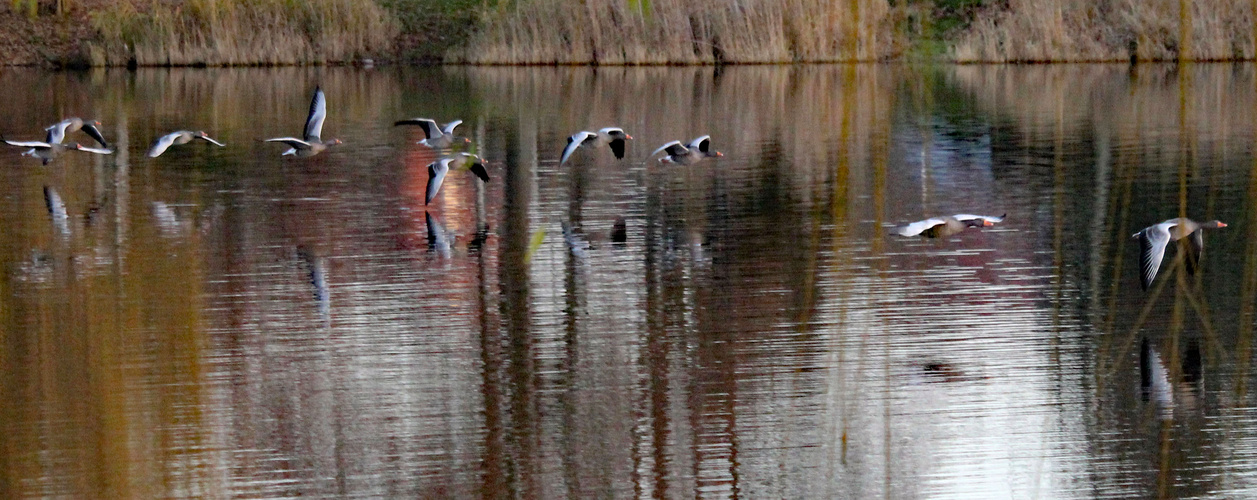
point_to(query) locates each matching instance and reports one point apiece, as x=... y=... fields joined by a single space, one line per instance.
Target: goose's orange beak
x=628 y=136
x=1221 y=224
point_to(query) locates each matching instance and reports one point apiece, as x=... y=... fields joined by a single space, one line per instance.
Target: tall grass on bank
x=1109 y=30
x=678 y=32
x=239 y=32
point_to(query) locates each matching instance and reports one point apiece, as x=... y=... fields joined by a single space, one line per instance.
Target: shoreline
x=247 y=33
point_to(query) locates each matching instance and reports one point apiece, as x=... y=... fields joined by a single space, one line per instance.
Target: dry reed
x=240 y=32
x=1108 y=30
x=679 y=32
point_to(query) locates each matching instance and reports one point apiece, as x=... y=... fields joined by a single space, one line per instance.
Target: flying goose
x=938 y=227
x=49 y=149
x=180 y=137
x=57 y=131
x=436 y=137
x=680 y=154
x=438 y=169
x=612 y=136
x=1153 y=240
x=311 y=143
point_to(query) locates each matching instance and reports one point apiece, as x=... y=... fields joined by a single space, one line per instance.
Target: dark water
x=224 y=322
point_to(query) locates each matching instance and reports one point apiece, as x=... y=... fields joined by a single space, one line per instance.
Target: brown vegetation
x=239 y=32
x=680 y=32
x=611 y=32
x=1109 y=30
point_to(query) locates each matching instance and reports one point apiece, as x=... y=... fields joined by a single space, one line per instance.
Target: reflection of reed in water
x=801 y=108
x=1127 y=101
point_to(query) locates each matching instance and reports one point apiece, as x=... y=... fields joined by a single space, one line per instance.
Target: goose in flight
x=57 y=132
x=310 y=143
x=438 y=169
x=939 y=227
x=1153 y=240
x=436 y=137
x=175 y=138
x=611 y=136
x=681 y=154
x=49 y=149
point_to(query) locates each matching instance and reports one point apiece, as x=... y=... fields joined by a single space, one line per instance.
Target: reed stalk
x=1109 y=30
x=240 y=32
x=620 y=32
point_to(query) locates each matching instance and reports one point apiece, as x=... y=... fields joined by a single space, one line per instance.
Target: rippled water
x=224 y=322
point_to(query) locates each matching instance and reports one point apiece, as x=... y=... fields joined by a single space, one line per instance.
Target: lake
x=226 y=322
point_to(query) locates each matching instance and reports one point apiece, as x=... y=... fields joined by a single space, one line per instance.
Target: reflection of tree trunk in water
x=1126 y=178
x=880 y=151
x=655 y=356
x=573 y=309
x=1165 y=475
x=518 y=432
x=1099 y=222
x=114 y=479
x=1163 y=466
x=841 y=190
x=1058 y=230
x=1248 y=287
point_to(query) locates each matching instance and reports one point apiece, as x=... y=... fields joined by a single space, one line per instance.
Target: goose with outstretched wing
x=681 y=154
x=311 y=142
x=1153 y=240
x=610 y=136
x=435 y=137
x=438 y=169
x=177 y=138
x=939 y=227
x=58 y=131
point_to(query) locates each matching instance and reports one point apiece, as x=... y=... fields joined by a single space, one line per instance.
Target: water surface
x=224 y=322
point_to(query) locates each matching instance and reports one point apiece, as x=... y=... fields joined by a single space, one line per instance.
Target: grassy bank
x=610 y=32
x=239 y=32
x=679 y=32
x=1109 y=30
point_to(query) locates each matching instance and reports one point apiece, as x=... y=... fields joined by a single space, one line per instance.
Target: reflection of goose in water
x=57 y=211
x=576 y=242
x=1153 y=240
x=611 y=136
x=438 y=238
x=178 y=138
x=939 y=227
x=173 y=224
x=316 y=268
x=681 y=154
x=436 y=137
x=481 y=237
x=1155 y=383
x=939 y=371
x=57 y=131
x=619 y=231
x=311 y=142
x=168 y=222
